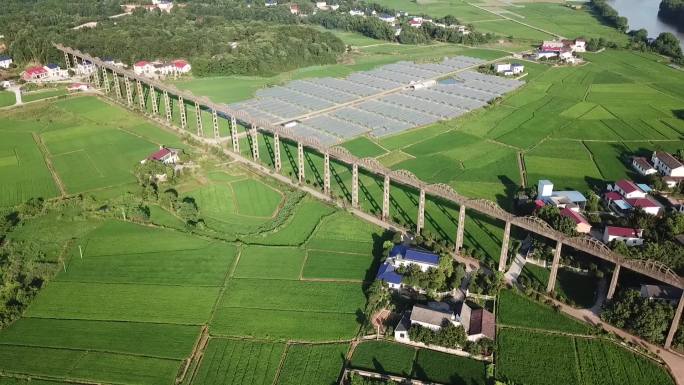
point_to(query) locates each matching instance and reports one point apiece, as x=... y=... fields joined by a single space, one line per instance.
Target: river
x=644 y=14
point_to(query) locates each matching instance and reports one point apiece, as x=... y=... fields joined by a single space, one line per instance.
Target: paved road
x=516 y=268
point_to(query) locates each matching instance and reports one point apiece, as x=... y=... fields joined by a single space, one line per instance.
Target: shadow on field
x=291 y=160
x=679 y=114
x=510 y=190
x=346 y=194
x=318 y=179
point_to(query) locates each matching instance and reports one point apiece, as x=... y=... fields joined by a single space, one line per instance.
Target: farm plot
x=601 y=362
x=255 y=199
x=7 y=98
x=287 y=309
x=363 y=147
x=384 y=357
x=423 y=364
x=231 y=361
x=23 y=171
x=298 y=228
x=87 y=366
x=448 y=369
x=270 y=262
x=525 y=356
x=516 y=310
x=312 y=364
x=147 y=339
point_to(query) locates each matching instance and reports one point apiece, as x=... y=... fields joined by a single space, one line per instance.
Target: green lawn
x=7 y=98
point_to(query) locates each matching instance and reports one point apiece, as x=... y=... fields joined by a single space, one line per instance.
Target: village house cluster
x=477 y=322
x=46 y=73
x=161 y=5
x=158 y=69
x=5 y=61
x=508 y=69
x=663 y=163
x=563 y=50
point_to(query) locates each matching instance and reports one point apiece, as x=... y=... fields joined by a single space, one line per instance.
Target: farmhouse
x=570 y=199
x=117 y=63
x=434 y=317
x=642 y=166
x=387 y=18
x=270 y=3
x=627 y=189
x=545 y=55
x=388 y=275
x=502 y=67
x=577 y=45
x=5 y=61
x=478 y=323
x=181 y=66
x=648 y=204
x=631 y=237
x=165 y=155
x=667 y=164
x=294 y=9
x=661 y=293
x=143 y=68
x=582 y=226
x=54 y=71
x=356 y=12
x=403 y=256
x=84 y=68
x=35 y=73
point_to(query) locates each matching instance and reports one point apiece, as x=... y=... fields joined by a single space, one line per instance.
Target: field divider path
x=48 y=163
x=224 y=287
x=281 y=363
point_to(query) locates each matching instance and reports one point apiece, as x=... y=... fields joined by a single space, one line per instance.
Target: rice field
x=312 y=364
x=526 y=356
x=516 y=310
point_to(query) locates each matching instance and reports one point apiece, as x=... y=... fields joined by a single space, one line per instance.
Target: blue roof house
x=405 y=256
x=387 y=274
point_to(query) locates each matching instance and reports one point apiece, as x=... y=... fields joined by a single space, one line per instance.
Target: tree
x=551 y=215
x=639 y=35
x=667 y=44
x=593 y=201
x=646 y=318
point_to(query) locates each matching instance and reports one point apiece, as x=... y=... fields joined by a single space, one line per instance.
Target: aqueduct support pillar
x=675 y=322
x=461 y=228
x=167 y=107
x=141 y=95
x=215 y=124
x=96 y=77
x=386 y=199
x=117 y=86
x=420 y=223
x=234 y=135
x=67 y=60
x=554 y=267
x=129 y=92
x=276 y=152
x=613 y=282
x=154 y=98
x=183 y=116
x=355 y=185
x=300 y=162
x=255 y=142
x=198 y=116
x=326 y=173
x=105 y=80
x=503 y=257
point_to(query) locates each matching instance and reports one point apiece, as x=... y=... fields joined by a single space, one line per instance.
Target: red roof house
x=647 y=204
x=181 y=66
x=164 y=155
x=581 y=223
x=631 y=237
x=628 y=189
x=37 y=72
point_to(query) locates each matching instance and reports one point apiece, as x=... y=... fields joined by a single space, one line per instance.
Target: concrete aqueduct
x=126 y=95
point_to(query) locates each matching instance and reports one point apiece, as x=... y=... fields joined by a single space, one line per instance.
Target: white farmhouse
x=667 y=164
x=502 y=67
x=642 y=166
x=631 y=237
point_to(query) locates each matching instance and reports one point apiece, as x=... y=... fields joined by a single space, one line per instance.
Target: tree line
x=672 y=11
x=609 y=15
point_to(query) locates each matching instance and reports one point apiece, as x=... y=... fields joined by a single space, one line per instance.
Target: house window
x=401 y=335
